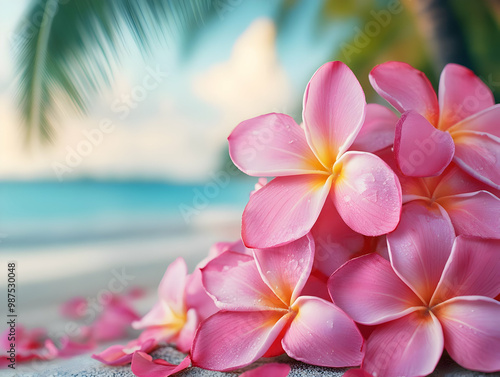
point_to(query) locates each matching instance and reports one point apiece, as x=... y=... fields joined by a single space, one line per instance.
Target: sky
x=165 y=118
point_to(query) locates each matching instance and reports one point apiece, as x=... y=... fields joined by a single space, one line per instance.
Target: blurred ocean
x=34 y=214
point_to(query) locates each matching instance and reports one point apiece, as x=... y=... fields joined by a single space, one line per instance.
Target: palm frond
x=66 y=50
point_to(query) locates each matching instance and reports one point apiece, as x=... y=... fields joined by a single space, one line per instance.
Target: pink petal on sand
x=272 y=145
x=322 y=334
x=356 y=373
x=377 y=131
x=334 y=110
x=409 y=346
x=479 y=155
x=461 y=94
x=122 y=355
x=474 y=214
x=143 y=365
x=421 y=150
x=285 y=269
x=420 y=247
x=235 y=283
x=473 y=269
x=269 y=370
x=471 y=328
x=368 y=289
x=230 y=340
x=367 y=194
x=74 y=308
x=405 y=88
x=284 y=210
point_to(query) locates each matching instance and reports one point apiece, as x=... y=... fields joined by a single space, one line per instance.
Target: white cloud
x=169 y=135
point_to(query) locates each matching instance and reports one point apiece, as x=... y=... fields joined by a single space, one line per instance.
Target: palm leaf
x=66 y=50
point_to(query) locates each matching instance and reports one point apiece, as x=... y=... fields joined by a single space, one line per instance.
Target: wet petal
x=322 y=334
x=409 y=346
x=479 y=155
x=377 y=131
x=235 y=283
x=284 y=210
x=405 y=88
x=471 y=328
x=474 y=214
x=334 y=110
x=143 y=365
x=285 y=269
x=461 y=94
x=367 y=194
x=420 y=247
x=368 y=289
x=473 y=269
x=230 y=340
x=421 y=150
x=271 y=145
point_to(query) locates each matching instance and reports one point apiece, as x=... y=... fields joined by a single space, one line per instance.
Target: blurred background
x=115 y=114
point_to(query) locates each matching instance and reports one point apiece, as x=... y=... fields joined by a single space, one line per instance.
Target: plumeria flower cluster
x=375 y=244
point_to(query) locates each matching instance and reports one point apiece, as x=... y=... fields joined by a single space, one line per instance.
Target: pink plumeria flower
x=263 y=313
x=122 y=354
x=436 y=292
x=461 y=126
x=170 y=320
x=313 y=165
x=472 y=205
x=143 y=365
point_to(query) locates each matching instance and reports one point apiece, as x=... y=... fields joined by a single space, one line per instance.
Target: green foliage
x=66 y=50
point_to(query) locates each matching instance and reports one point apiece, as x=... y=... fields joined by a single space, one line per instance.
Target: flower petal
x=377 y=131
x=285 y=269
x=421 y=150
x=271 y=369
x=322 y=334
x=143 y=365
x=334 y=242
x=479 y=155
x=368 y=289
x=171 y=288
x=461 y=94
x=334 y=110
x=420 y=247
x=367 y=194
x=409 y=346
x=474 y=214
x=356 y=373
x=405 y=88
x=284 y=210
x=473 y=269
x=229 y=340
x=122 y=355
x=455 y=181
x=471 y=328
x=485 y=121
x=235 y=283
x=271 y=145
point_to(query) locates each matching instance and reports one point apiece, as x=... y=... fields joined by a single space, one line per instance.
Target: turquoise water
x=38 y=213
